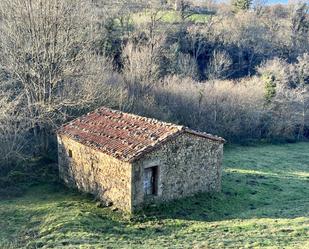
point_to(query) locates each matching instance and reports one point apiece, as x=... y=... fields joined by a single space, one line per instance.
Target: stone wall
x=95 y=172
x=187 y=164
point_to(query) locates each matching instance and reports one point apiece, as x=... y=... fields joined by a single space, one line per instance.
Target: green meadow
x=169 y=16
x=264 y=203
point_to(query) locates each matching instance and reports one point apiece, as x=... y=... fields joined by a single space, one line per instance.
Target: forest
x=239 y=70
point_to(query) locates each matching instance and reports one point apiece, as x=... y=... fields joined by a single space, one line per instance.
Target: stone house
x=129 y=161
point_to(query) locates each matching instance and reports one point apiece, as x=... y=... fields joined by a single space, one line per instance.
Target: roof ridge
x=125 y=136
x=139 y=117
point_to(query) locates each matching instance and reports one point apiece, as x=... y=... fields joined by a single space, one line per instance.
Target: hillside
x=264 y=204
x=236 y=69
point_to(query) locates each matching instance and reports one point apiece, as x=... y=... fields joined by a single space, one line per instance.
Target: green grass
x=169 y=16
x=264 y=204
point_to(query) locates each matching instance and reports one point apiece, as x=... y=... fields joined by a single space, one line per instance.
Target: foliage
x=263 y=203
x=270 y=88
x=242 y=4
x=49 y=70
x=211 y=70
x=15 y=180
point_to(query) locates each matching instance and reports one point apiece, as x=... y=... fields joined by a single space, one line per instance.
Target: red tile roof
x=122 y=135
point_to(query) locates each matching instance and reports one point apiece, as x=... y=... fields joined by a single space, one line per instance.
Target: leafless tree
x=302 y=92
x=219 y=65
x=299 y=26
x=141 y=66
x=14 y=126
x=187 y=65
x=46 y=52
x=259 y=6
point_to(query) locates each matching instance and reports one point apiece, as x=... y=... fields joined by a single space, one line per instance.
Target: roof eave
x=155 y=146
x=205 y=135
x=169 y=138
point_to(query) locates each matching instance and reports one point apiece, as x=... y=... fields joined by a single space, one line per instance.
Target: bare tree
x=142 y=66
x=219 y=65
x=186 y=66
x=299 y=25
x=302 y=92
x=13 y=126
x=259 y=6
x=46 y=51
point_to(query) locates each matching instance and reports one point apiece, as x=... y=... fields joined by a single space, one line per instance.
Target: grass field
x=170 y=16
x=264 y=204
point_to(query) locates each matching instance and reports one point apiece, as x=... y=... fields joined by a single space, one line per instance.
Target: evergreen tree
x=242 y=4
x=270 y=88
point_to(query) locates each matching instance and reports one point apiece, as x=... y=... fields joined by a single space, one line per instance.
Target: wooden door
x=150 y=175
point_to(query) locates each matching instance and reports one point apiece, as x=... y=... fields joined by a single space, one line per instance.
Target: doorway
x=151 y=181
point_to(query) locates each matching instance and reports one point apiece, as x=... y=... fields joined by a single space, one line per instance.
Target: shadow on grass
x=261 y=181
x=244 y=195
x=260 y=185
x=55 y=216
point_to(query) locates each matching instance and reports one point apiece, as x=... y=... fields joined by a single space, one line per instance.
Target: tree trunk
x=178 y=4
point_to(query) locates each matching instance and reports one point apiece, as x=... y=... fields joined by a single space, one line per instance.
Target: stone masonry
x=130 y=161
x=94 y=172
x=187 y=165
